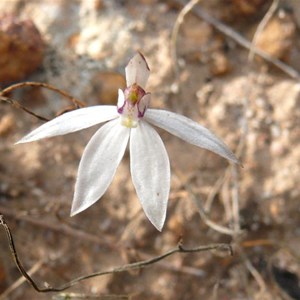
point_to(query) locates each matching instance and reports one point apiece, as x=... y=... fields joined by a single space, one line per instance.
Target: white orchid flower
x=130 y=121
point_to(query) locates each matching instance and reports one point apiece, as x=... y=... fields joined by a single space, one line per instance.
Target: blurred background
x=82 y=48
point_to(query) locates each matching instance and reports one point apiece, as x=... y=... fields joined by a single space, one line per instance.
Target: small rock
x=21 y=48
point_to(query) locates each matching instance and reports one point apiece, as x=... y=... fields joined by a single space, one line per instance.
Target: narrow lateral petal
x=98 y=164
x=121 y=98
x=190 y=131
x=150 y=171
x=143 y=104
x=72 y=121
x=137 y=71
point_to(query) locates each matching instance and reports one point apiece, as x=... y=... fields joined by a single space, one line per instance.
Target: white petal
x=189 y=131
x=137 y=71
x=98 y=164
x=144 y=103
x=121 y=98
x=150 y=170
x=72 y=121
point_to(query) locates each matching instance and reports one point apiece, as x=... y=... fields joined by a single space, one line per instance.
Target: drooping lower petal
x=72 y=121
x=189 y=131
x=98 y=164
x=150 y=171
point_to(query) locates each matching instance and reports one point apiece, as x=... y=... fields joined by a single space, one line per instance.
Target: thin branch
x=21 y=280
x=16 y=104
x=253 y=271
x=215 y=189
x=239 y=39
x=215 y=291
x=234 y=171
x=64 y=296
x=124 y=268
x=76 y=103
x=261 y=243
x=202 y=213
x=261 y=27
x=231 y=172
x=210 y=223
x=104 y=241
x=186 y=9
x=235 y=200
x=15 y=255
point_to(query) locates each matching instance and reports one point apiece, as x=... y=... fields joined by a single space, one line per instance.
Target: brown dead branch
x=21 y=280
x=185 y=10
x=261 y=27
x=136 y=265
x=238 y=38
x=63 y=296
x=3 y=96
x=16 y=104
x=77 y=103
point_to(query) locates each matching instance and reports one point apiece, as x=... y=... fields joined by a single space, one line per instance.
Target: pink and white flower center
x=132 y=105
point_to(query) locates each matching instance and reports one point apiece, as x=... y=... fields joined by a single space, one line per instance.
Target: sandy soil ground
x=82 y=48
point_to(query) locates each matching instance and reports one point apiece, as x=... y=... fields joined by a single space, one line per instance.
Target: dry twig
x=64 y=296
x=104 y=241
x=16 y=104
x=21 y=280
x=261 y=27
x=76 y=103
x=252 y=270
x=203 y=215
x=239 y=39
x=124 y=268
x=186 y=9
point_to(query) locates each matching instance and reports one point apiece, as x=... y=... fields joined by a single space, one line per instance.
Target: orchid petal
x=150 y=171
x=144 y=103
x=98 y=164
x=189 y=131
x=137 y=71
x=121 y=98
x=72 y=121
